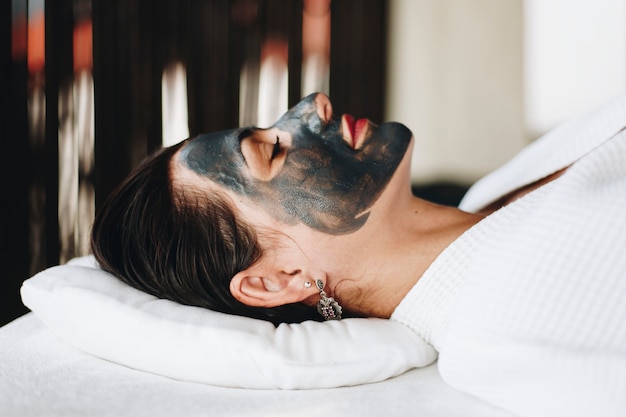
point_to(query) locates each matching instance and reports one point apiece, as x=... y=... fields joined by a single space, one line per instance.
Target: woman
x=250 y=220
x=317 y=209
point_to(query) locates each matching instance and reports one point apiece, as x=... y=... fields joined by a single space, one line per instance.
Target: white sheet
x=41 y=376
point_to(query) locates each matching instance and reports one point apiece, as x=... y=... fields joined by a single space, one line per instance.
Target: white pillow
x=97 y=313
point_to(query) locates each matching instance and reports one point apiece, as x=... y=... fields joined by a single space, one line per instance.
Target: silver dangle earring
x=327 y=306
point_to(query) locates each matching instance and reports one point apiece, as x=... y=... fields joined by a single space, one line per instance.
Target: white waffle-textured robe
x=528 y=308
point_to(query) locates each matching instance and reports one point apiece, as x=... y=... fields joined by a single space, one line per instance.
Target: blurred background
x=89 y=87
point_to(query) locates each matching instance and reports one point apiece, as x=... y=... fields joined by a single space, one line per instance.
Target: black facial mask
x=324 y=183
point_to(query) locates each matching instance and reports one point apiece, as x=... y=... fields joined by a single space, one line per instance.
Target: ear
x=262 y=287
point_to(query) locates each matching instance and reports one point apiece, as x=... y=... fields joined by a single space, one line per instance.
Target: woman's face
x=309 y=167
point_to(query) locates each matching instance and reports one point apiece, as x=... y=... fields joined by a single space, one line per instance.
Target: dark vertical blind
x=357 y=57
x=124 y=96
x=213 y=55
x=59 y=74
x=15 y=161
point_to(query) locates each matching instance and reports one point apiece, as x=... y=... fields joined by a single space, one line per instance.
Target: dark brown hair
x=180 y=249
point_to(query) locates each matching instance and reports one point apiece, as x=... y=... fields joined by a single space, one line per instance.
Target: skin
x=328 y=205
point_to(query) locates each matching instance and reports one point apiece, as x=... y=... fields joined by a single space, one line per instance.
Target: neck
x=399 y=253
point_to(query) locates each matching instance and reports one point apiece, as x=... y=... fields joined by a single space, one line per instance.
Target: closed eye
x=263 y=151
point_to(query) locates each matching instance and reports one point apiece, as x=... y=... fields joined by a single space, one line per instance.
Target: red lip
x=354 y=130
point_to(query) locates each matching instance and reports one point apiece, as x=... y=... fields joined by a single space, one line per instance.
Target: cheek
x=311 y=162
x=313 y=175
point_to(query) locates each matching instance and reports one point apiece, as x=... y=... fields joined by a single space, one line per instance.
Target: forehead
x=217 y=156
x=210 y=146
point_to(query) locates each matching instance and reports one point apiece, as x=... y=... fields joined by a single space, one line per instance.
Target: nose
x=323 y=107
